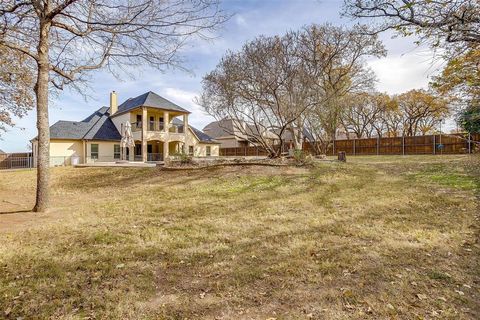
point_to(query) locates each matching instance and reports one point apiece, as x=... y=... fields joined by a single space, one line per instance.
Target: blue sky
x=406 y=66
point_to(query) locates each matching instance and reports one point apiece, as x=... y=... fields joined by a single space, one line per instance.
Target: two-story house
x=160 y=129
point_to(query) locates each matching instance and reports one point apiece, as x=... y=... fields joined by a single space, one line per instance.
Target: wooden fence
x=430 y=144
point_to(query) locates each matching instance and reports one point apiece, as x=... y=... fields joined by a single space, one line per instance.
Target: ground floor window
x=116 y=151
x=208 y=151
x=138 y=149
x=190 y=150
x=94 y=151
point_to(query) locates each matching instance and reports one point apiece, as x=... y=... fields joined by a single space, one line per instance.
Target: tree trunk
x=41 y=92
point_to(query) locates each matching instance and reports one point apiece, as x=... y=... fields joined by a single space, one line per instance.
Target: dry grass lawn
x=375 y=238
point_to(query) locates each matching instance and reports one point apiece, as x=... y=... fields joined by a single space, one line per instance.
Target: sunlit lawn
x=375 y=238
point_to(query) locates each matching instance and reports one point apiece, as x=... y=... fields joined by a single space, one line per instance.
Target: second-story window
x=138 y=124
x=160 y=124
x=151 y=124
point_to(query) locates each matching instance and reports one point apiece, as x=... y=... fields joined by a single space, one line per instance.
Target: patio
x=118 y=164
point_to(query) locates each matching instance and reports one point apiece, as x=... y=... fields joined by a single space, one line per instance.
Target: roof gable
x=149 y=99
x=227 y=128
x=96 y=126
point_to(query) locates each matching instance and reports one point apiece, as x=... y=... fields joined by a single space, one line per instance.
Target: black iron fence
x=17 y=160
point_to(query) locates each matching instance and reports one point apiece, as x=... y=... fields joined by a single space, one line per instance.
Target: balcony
x=157 y=127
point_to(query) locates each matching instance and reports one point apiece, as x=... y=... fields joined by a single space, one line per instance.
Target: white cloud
x=400 y=73
x=240 y=20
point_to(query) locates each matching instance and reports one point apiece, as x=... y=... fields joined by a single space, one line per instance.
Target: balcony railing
x=157 y=126
x=154 y=157
x=137 y=126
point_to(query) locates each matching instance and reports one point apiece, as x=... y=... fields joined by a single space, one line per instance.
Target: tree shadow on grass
x=16 y=211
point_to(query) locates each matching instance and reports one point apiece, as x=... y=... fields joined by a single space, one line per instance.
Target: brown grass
x=375 y=238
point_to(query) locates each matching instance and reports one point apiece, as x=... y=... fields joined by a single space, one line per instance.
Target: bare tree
x=16 y=94
x=421 y=111
x=64 y=39
x=334 y=58
x=363 y=114
x=290 y=82
x=262 y=87
x=451 y=24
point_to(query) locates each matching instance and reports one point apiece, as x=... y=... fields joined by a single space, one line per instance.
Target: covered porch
x=156 y=150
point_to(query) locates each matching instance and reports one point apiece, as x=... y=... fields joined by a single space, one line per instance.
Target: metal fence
x=16 y=163
x=9 y=161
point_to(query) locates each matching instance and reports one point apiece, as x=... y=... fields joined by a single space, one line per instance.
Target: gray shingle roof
x=203 y=137
x=97 y=126
x=2 y=152
x=149 y=99
x=224 y=128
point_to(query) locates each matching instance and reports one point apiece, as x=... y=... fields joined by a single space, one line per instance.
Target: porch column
x=165 y=150
x=84 y=145
x=166 y=120
x=185 y=123
x=144 y=134
x=131 y=153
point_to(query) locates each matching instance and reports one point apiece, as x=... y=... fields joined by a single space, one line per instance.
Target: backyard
x=384 y=237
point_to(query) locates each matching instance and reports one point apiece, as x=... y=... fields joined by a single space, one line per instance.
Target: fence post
x=441 y=150
x=403 y=145
x=378 y=145
x=434 y=144
x=469 y=143
x=333 y=147
x=354 y=146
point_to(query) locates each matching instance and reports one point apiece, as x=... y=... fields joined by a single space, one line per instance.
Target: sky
x=406 y=66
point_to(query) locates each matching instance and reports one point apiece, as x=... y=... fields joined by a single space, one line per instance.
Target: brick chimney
x=113 y=103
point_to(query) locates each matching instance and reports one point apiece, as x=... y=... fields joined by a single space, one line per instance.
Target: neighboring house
x=233 y=133
x=156 y=128
x=230 y=133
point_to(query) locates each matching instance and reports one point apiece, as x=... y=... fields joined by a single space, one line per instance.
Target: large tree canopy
x=461 y=79
x=451 y=24
x=16 y=83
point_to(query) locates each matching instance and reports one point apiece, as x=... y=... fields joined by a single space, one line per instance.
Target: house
x=228 y=132
x=159 y=127
x=2 y=152
x=231 y=133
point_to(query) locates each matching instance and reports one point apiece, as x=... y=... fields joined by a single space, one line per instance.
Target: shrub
x=183 y=158
x=301 y=158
